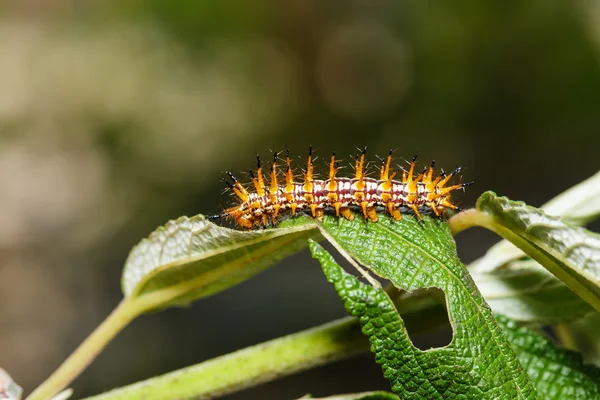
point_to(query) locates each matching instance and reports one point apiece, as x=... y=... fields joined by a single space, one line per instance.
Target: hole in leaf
x=426 y=320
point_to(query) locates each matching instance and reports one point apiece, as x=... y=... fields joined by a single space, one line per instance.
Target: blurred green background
x=118 y=116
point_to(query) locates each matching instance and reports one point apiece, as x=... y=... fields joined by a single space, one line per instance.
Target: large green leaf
x=578 y=205
x=557 y=373
x=185 y=260
x=478 y=363
x=520 y=288
x=526 y=292
x=569 y=252
x=191 y=258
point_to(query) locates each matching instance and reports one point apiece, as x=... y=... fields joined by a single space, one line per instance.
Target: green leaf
x=526 y=292
x=520 y=288
x=557 y=373
x=191 y=258
x=578 y=205
x=569 y=252
x=478 y=363
x=185 y=260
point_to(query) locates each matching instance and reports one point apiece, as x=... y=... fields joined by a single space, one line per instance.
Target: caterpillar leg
x=319 y=212
x=372 y=214
x=276 y=209
x=337 y=206
x=363 y=206
x=244 y=223
x=393 y=211
x=346 y=213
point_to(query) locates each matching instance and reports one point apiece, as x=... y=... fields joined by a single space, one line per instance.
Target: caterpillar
x=421 y=194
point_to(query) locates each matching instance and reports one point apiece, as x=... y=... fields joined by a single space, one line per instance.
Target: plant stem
x=251 y=366
x=467 y=219
x=356 y=396
x=86 y=352
x=276 y=358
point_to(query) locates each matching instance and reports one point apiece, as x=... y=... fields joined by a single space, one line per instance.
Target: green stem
x=467 y=219
x=356 y=396
x=86 y=352
x=276 y=358
x=251 y=366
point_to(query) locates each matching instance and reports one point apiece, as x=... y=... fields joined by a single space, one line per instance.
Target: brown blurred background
x=118 y=116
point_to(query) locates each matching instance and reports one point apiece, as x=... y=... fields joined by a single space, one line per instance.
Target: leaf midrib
x=464 y=288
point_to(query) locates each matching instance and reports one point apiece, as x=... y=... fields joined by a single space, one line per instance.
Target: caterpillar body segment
x=424 y=192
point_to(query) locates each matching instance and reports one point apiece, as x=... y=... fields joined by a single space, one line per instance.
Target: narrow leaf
x=569 y=252
x=479 y=363
x=557 y=373
x=191 y=258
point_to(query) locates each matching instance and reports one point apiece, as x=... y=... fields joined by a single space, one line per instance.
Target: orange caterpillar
x=417 y=194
